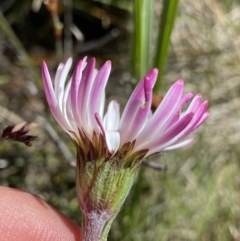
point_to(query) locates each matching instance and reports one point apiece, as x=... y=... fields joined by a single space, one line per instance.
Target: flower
x=110 y=147
x=79 y=107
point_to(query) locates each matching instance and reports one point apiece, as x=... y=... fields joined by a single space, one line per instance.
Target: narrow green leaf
x=169 y=12
x=141 y=37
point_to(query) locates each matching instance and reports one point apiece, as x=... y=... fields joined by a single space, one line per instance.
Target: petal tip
x=107 y=65
x=180 y=82
x=44 y=65
x=150 y=78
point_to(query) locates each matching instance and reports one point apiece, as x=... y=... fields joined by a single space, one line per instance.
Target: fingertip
x=24 y=216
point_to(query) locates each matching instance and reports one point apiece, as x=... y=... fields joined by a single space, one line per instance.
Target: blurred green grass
x=197 y=198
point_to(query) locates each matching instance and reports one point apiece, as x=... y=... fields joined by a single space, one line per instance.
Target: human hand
x=26 y=217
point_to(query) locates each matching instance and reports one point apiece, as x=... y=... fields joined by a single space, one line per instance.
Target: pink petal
x=76 y=80
x=197 y=117
x=97 y=91
x=67 y=109
x=204 y=117
x=140 y=107
x=51 y=98
x=175 y=117
x=85 y=89
x=194 y=104
x=180 y=145
x=129 y=109
x=169 y=134
x=100 y=124
x=166 y=109
x=57 y=77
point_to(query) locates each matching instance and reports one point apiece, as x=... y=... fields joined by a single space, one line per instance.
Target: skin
x=24 y=216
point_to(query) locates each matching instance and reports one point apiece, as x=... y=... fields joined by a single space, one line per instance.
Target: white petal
x=102 y=105
x=180 y=145
x=113 y=140
x=112 y=117
x=60 y=82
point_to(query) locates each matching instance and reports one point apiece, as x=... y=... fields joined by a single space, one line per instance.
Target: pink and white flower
x=110 y=147
x=78 y=106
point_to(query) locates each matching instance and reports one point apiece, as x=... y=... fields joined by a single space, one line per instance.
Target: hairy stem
x=93 y=225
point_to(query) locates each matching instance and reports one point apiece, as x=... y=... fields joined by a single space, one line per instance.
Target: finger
x=24 y=216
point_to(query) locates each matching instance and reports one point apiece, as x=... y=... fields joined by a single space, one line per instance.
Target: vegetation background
x=198 y=197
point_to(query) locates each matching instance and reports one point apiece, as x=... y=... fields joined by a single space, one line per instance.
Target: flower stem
x=94 y=223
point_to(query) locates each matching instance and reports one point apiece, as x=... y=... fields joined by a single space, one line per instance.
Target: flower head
x=78 y=106
x=110 y=147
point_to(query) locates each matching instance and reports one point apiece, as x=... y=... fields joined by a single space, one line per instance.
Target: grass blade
x=141 y=37
x=169 y=12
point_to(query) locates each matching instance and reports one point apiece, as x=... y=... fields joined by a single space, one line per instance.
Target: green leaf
x=143 y=13
x=169 y=12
